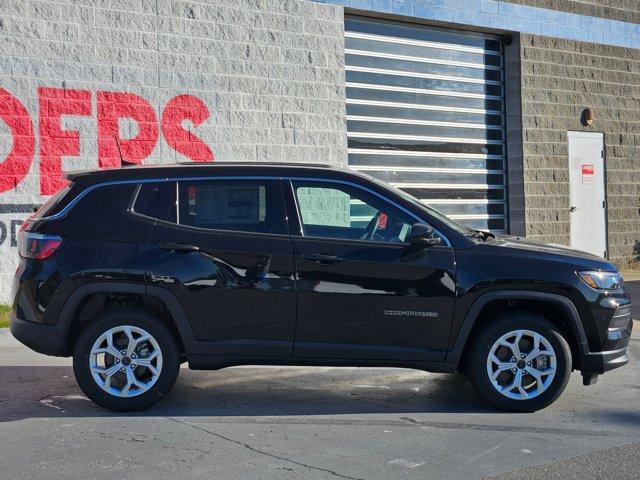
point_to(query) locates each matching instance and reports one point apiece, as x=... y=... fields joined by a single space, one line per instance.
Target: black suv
x=133 y=271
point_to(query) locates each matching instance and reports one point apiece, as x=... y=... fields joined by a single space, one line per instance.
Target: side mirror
x=422 y=236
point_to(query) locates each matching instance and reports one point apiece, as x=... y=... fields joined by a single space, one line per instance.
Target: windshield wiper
x=482 y=235
x=474 y=234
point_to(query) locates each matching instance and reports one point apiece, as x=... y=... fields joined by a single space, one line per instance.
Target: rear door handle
x=322 y=258
x=179 y=247
x=573 y=209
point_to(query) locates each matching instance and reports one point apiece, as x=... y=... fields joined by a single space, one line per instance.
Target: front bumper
x=601 y=362
x=618 y=334
x=43 y=338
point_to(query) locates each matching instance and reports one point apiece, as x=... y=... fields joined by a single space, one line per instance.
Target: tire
x=534 y=395
x=152 y=383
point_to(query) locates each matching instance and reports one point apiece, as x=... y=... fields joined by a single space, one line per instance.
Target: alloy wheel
x=521 y=364
x=125 y=361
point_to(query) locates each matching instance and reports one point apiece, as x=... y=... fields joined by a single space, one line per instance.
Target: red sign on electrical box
x=588 y=172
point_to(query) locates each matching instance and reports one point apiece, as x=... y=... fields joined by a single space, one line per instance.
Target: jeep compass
x=133 y=271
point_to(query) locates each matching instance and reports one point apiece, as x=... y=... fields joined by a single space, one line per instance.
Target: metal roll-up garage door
x=425 y=113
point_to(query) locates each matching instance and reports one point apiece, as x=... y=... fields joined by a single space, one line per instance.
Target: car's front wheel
x=126 y=360
x=520 y=362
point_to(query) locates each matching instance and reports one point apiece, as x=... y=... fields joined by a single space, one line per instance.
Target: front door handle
x=573 y=209
x=322 y=258
x=179 y=247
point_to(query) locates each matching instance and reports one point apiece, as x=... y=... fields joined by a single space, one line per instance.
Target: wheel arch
x=575 y=330
x=78 y=300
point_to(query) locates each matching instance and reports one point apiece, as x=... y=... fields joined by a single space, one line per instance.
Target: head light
x=602 y=280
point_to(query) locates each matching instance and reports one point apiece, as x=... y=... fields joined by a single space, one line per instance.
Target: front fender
x=575 y=324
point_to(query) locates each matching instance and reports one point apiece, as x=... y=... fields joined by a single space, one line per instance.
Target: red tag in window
x=382 y=221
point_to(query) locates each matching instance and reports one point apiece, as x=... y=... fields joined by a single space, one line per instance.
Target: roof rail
x=261 y=164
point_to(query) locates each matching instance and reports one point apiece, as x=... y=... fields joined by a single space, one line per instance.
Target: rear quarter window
x=102 y=213
x=59 y=201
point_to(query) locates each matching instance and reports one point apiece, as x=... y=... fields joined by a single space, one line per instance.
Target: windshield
x=461 y=229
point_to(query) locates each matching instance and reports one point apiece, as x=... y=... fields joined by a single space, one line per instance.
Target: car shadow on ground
x=51 y=391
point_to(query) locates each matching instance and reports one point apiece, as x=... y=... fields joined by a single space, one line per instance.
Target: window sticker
x=228 y=204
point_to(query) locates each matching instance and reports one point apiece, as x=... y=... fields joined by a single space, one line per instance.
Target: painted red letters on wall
x=112 y=107
x=186 y=107
x=55 y=142
x=16 y=166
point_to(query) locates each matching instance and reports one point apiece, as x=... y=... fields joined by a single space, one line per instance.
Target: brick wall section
x=559 y=79
x=270 y=72
x=623 y=10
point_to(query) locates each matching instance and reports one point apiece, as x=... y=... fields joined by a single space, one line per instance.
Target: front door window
x=332 y=210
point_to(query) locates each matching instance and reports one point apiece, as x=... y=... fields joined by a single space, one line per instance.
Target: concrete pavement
x=320 y=423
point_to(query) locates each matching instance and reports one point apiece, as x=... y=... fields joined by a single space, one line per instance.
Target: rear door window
x=253 y=206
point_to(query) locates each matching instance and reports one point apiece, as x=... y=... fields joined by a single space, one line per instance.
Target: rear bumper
x=42 y=338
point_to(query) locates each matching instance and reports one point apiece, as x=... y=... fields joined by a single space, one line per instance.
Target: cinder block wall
x=258 y=80
x=559 y=79
x=623 y=10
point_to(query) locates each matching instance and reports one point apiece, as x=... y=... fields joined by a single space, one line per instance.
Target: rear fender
x=167 y=298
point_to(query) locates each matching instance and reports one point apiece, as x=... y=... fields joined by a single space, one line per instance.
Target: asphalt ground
x=311 y=423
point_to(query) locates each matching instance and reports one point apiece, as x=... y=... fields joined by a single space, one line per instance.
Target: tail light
x=37 y=245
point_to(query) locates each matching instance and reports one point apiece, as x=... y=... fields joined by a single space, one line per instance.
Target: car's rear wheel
x=126 y=360
x=520 y=362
